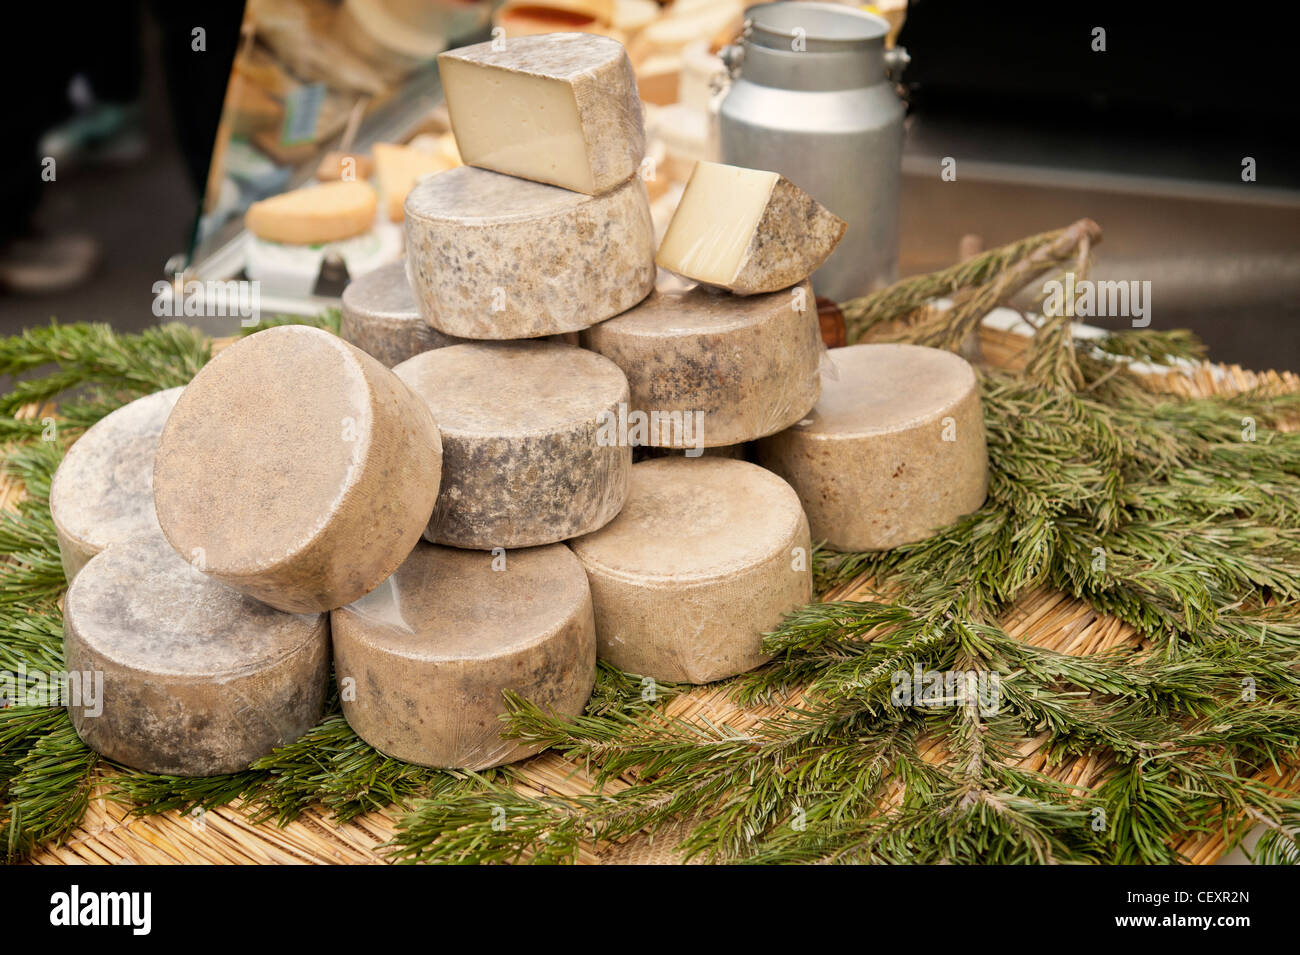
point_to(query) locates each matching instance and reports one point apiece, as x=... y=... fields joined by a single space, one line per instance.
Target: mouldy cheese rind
x=494 y=257
x=560 y=108
x=379 y=316
x=706 y=556
x=102 y=492
x=742 y=367
x=297 y=469
x=197 y=679
x=747 y=231
x=893 y=451
x=431 y=651
x=525 y=458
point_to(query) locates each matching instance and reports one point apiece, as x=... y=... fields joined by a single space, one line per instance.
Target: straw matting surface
x=109 y=835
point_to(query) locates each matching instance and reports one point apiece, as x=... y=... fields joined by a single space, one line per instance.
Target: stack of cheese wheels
x=297 y=469
x=296 y=474
x=706 y=556
x=174 y=672
x=547 y=229
x=102 y=492
x=432 y=650
x=379 y=316
x=893 y=451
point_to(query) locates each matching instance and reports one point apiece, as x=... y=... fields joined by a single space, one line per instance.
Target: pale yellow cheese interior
x=715 y=221
x=521 y=125
x=398 y=168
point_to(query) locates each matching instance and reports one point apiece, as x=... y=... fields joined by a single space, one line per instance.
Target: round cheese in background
x=494 y=257
x=742 y=366
x=102 y=492
x=893 y=451
x=314 y=214
x=432 y=649
x=707 y=555
x=531 y=448
x=379 y=316
x=297 y=469
x=173 y=672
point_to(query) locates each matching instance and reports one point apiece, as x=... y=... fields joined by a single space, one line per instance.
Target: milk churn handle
x=896 y=61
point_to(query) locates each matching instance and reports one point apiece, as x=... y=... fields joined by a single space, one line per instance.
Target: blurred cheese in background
x=314 y=214
x=398 y=168
x=393 y=38
x=529 y=18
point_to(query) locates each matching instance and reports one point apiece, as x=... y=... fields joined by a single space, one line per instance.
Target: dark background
x=1146 y=138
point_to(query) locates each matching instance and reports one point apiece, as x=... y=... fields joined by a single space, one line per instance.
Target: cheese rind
x=379 y=316
x=707 y=555
x=893 y=451
x=747 y=231
x=197 y=678
x=297 y=469
x=431 y=651
x=524 y=458
x=325 y=213
x=102 y=492
x=745 y=367
x=494 y=257
x=560 y=108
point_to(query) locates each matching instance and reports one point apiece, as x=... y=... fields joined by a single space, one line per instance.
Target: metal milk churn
x=810 y=99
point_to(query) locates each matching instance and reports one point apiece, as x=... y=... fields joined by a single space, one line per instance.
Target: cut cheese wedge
x=560 y=108
x=324 y=213
x=398 y=169
x=747 y=231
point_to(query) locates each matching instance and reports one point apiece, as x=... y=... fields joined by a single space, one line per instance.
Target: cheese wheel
x=530 y=454
x=560 y=108
x=893 y=451
x=379 y=316
x=707 y=555
x=742 y=367
x=431 y=651
x=197 y=679
x=747 y=231
x=297 y=469
x=324 y=213
x=102 y=492
x=494 y=257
